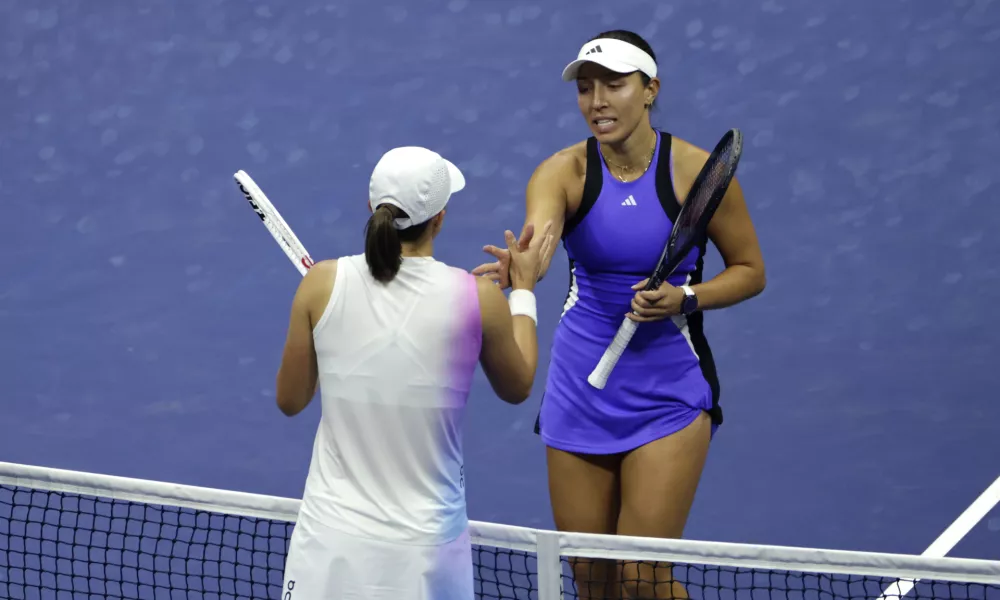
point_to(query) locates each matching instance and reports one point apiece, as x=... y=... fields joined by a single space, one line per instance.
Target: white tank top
x=396 y=362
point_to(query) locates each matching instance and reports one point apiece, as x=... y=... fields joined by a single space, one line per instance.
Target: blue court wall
x=143 y=306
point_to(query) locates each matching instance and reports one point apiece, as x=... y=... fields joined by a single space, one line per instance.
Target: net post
x=549 y=565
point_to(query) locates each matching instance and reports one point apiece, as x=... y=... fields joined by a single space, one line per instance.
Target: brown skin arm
x=547 y=198
x=732 y=232
x=298 y=375
x=552 y=195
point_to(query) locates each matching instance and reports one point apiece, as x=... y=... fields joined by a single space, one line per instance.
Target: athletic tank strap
x=591 y=186
x=664 y=179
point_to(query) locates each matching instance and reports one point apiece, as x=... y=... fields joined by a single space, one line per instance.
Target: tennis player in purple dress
x=627 y=459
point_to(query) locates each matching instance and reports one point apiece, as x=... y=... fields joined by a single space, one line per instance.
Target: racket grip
x=599 y=376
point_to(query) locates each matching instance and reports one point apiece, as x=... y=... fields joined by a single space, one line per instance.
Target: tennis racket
x=702 y=200
x=280 y=230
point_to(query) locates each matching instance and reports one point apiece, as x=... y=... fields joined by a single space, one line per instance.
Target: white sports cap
x=416 y=180
x=616 y=55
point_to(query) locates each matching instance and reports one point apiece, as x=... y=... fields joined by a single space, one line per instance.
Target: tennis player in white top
x=392 y=338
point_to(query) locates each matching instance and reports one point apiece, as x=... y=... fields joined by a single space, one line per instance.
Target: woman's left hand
x=655 y=305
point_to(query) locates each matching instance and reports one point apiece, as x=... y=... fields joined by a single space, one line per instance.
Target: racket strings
x=715 y=180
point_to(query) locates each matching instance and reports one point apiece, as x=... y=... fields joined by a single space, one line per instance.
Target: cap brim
x=573 y=68
x=456 y=177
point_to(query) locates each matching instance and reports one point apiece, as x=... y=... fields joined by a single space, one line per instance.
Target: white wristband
x=522 y=302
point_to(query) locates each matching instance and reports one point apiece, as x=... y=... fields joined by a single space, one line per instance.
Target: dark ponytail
x=383 y=242
x=383 y=252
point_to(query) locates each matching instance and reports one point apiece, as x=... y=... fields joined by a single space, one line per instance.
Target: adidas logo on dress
x=630 y=201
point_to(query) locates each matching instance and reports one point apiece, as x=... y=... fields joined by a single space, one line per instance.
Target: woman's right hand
x=499 y=271
x=527 y=255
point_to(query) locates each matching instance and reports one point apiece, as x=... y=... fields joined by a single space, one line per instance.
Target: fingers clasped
x=655 y=305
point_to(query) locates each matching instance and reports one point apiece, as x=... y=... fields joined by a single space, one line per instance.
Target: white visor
x=616 y=55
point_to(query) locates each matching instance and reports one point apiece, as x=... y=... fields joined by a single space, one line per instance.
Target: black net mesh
x=504 y=573
x=589 y=579
x=59 y=545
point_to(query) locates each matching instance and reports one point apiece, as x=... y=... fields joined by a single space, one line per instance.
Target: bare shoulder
x=688 y=161
x=561 y=175
x=688 y=158
x=317 y=286
x=324 y=270
x=569 y=162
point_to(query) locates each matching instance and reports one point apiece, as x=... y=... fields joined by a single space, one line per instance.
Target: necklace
x=628 y=169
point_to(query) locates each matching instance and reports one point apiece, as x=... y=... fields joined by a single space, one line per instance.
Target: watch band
x=690 y=302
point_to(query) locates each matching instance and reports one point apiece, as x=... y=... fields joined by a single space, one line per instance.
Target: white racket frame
x=280 y=230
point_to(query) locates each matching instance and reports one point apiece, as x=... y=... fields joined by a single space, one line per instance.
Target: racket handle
x=599 y=376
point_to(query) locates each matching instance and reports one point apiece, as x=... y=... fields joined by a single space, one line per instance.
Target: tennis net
x=67 y=534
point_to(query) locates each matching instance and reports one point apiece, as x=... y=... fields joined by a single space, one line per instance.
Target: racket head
x=703 y=199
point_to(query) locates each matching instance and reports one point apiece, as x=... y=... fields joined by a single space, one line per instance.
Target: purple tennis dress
x=666 y=376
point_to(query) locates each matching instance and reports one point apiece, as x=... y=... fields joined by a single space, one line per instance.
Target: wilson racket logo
x=256 y=208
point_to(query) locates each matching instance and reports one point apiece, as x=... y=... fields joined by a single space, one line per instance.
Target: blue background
x=143 y=306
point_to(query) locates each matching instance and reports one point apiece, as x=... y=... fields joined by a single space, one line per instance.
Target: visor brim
x=572 y=70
